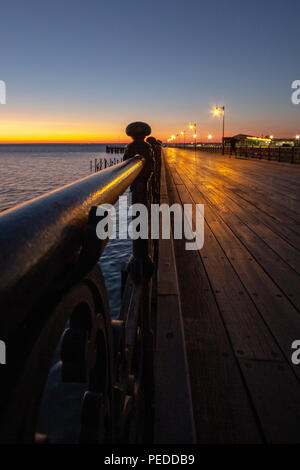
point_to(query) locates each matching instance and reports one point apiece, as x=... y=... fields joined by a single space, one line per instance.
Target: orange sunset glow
x=17 y=132
x=37 y=128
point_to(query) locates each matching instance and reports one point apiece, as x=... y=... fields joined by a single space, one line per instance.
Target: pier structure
x=103 y=163
x=288 y=154
x=115 y=148
x=202 y=351
x=238 y=297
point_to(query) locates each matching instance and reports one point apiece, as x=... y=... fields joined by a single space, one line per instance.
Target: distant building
x=286 y=142
x=245 y=139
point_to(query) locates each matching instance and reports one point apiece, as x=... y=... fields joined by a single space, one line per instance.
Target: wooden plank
x=278 y=237
x=289 y=254
x=286 y=201
x=275 y=412
x=233 y=174
x=258 y=216
x=222 y=410
x=267 y=176
x=276 y=397
x=174 y=421
x=264 y=293
x=280 y=270
x=248 y=189
x=248 y=333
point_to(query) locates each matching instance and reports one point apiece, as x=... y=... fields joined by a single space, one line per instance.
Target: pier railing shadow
x=50 y=277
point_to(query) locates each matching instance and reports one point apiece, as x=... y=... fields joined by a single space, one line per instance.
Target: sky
x=81 y=71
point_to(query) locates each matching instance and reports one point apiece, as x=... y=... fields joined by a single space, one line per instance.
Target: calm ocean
x=26 y=171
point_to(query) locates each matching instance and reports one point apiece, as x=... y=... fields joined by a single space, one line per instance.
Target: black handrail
x=42 y=240
x=50 y=278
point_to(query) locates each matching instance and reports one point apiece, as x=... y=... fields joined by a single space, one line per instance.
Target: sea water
x=27 y=171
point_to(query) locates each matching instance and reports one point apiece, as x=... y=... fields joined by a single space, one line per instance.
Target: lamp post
x=183 y=133
x=217 y=111
x=193 y=126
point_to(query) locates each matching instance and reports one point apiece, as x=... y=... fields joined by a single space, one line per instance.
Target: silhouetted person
x=233 y=145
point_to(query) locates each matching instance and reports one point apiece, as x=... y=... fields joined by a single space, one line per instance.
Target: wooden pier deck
x=236 y=301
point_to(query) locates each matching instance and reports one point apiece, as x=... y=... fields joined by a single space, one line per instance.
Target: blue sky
x=94 y=66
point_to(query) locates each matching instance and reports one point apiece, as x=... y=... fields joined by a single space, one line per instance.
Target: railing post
x=156 y=146
x=140 y=267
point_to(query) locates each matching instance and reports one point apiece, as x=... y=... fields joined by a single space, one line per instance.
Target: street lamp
x=217 y=111
x=193 y=126
x=183 y=133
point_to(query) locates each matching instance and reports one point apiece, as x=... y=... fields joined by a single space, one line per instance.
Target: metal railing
x=50 y=278
x=272 y=153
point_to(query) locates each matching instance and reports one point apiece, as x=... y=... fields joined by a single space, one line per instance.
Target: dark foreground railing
x=50 y=278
